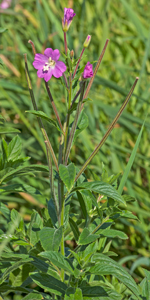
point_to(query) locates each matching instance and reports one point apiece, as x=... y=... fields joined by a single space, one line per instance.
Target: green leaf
x=112 y=233
x=67 y=175
x=5 y=211
x=104 y=265
x=33 y=296
x=44 y=116
x=49 y=283
x=102 y=188
x=14 y=148
x=74 y=228
x=17 y=188
x=5 y=130
x=86 y=237
x=14 y=267
x=73 y=294
x=3 y=29
x=50 y=238
x=82 y=205
x=83 y=122
x=101 y=291
x=35 y=227
x=52 y=211
x=58 y=260
x=15 y=217
x=9 y=173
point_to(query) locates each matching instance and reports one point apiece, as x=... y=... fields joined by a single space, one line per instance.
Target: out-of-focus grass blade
x=130 y=162
x=112 y=85
x=141 y=30
x=22 y=117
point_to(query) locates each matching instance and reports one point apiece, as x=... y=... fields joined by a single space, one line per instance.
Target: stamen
x=49 y=64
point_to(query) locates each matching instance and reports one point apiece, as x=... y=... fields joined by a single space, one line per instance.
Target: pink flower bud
x=71 y=54
x=87 y=41
x=68 y=16
x=88 y=70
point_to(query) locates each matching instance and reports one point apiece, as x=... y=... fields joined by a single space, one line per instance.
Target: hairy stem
x=68 y=116
x=78 y=62
x=65 y=43
x=74 y=123
x=53 y=105
x=96 y=69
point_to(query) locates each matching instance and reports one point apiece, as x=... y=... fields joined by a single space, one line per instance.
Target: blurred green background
x=126 y=24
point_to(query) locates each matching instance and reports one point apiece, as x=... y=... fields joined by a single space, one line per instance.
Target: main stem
x=68 y=115
x=62 y=245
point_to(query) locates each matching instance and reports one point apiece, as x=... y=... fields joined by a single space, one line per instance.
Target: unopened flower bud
x=88 y=71
x=68 y=16
x=87 y=41
x=71 y=54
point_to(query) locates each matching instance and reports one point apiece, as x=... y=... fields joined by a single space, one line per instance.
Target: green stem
x=53 y=105
x=108 y=131
x=78 y=62
x=68 y=115
x=96 y=69
x=62 y=244
x=74 y=123
x=65 y=43
x=39 y=119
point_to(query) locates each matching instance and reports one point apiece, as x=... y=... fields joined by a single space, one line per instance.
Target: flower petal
x=61 y=66
x=48 y=52
x=47 y=75
x=39 y=61
x=57 y=72
x=40 y=73
x=56 y=54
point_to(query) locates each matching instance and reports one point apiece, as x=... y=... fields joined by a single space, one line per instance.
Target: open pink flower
x=5 y=4
x=68 y=16
x=48 y=64
x=88 y=70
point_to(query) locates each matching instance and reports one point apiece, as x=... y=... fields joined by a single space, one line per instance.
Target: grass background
x=126 y=24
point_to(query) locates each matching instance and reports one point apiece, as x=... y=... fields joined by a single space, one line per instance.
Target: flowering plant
x=67 y=254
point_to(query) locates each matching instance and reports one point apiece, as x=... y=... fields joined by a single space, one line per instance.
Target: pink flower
x=68 y=16
x=5 y=4
x=88 y=70
x=48 y=64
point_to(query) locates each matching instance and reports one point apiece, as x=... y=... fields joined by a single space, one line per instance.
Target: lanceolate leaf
x=9 y=173
x=102 y=188
x=100 y=291
x=44 y=116
x=5 y=130
x=58 y=260
x=50 y=238
x=14 y=148
x=49 y=283
x=33 y=296
x=73 y=294
x=74 y=228
x=104 y=265
x=82 y=124
x=112 y=233
x=86 y=237
x=67 y=175
x=14 y=267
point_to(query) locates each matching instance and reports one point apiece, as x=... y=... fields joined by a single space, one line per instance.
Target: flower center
x=50 y=63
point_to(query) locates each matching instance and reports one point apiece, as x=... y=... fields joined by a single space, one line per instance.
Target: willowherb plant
x=42 y=253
